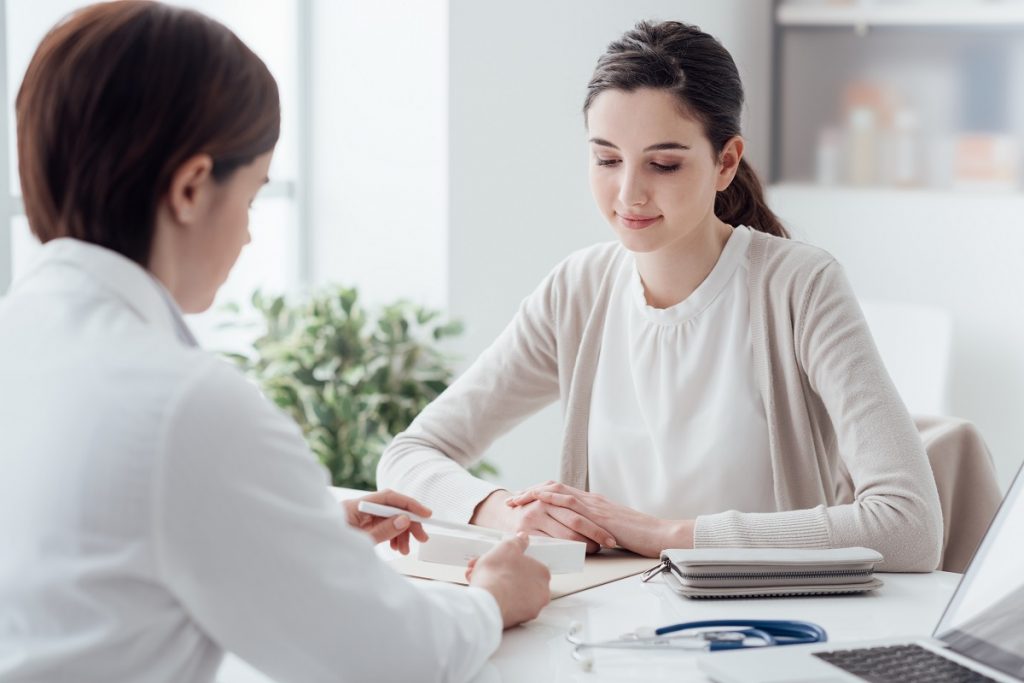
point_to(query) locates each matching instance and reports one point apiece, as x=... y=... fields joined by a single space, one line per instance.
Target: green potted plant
x=350 y=377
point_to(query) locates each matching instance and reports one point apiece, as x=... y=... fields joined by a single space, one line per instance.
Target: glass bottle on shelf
x=861 y=146
x=904 y=152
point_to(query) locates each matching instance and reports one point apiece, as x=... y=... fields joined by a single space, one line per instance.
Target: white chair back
x=916 y=346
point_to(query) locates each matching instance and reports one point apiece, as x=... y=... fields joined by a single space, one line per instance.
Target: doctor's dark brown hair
x=703 y=77
x=117 y=96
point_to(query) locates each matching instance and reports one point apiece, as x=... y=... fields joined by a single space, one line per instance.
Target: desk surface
x=908 y=604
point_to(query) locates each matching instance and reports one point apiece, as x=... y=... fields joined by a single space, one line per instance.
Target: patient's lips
x=636 y=222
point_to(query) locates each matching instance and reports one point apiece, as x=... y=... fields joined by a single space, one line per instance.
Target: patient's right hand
x=519 y=584
x=538 y=518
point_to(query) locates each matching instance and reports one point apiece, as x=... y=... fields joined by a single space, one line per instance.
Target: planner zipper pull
x=662 y=566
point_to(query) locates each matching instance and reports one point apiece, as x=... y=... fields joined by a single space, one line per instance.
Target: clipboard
x=599 y=568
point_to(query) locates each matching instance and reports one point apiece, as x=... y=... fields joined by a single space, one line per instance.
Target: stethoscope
x=707 y=636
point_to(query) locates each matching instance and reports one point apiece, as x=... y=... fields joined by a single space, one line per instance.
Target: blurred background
x=434 y=151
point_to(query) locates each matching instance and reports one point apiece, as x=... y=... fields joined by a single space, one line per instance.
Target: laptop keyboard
x=901 y=664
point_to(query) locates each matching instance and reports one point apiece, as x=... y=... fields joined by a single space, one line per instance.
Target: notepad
x=604 y=567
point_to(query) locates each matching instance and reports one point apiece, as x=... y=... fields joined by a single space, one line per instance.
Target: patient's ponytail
x=742 y=203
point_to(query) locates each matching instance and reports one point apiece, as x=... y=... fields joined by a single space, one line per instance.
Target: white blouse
x=677 y=424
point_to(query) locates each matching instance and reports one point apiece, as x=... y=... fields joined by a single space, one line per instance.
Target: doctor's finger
x=386 y=528
x=399 y=500
x=403 y=544
x=516 y=545
x=419 y=533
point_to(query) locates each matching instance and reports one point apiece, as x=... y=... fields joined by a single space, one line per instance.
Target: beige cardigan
x=833 y=413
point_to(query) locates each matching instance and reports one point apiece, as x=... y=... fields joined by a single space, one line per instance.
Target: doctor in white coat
x=155 y=509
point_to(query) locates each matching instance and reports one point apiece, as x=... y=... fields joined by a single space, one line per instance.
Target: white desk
x=908 y=604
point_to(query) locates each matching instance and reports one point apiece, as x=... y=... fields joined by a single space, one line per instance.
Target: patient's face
x=652 y=171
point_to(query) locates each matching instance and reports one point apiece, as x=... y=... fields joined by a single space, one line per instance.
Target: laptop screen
x=985 y=618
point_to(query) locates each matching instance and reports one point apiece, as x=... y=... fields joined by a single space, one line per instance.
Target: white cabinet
x=897 y=145
x=900 y=93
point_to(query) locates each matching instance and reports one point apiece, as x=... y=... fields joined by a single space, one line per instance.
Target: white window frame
x=11 y=206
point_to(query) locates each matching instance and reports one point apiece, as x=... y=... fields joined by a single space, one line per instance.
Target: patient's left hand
x=394 y=529
x=635 y=531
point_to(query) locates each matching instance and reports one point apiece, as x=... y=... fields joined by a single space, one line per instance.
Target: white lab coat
x=156 y=510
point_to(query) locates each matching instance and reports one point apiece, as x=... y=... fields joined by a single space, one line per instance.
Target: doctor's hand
x=394 y=529
x=539 y=518
x=641 y=533
x=519 y=584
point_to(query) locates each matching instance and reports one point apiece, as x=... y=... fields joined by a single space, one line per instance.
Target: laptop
x=980 y=636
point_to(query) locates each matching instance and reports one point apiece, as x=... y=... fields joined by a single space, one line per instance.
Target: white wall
x=519 y=200
x=379 y=183
x=960 y=252
x=6 y=247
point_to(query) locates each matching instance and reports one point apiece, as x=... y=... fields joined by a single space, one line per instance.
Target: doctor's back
x=89 y=379
x=94 y=364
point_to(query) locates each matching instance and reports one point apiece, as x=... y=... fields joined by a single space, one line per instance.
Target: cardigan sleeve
x=895 y=507
x=512 y=379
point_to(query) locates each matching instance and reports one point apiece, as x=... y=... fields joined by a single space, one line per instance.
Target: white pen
x=378 y=510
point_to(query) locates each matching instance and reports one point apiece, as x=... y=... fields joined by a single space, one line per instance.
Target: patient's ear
x=729 y=162
x=188 y=195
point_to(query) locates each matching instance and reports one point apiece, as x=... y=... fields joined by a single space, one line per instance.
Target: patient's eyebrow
x=652 y=148
x=666 y=145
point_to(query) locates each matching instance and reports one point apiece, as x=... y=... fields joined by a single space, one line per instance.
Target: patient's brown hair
x=700 y=73
x=115 y=98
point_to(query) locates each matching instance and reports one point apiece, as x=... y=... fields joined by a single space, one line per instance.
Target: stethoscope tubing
x=773 y=632
x=768 y=632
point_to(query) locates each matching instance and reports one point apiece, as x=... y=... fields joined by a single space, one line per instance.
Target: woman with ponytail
x=718 y=382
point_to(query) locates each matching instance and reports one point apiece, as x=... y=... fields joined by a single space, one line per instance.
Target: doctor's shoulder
x=216 y=385
x=218 y=418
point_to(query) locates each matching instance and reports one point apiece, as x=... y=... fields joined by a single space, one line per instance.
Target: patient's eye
x=665 y=168
x=606 y=162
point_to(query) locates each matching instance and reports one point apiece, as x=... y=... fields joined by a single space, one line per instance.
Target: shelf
x=923 y=14
x=846 y=193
